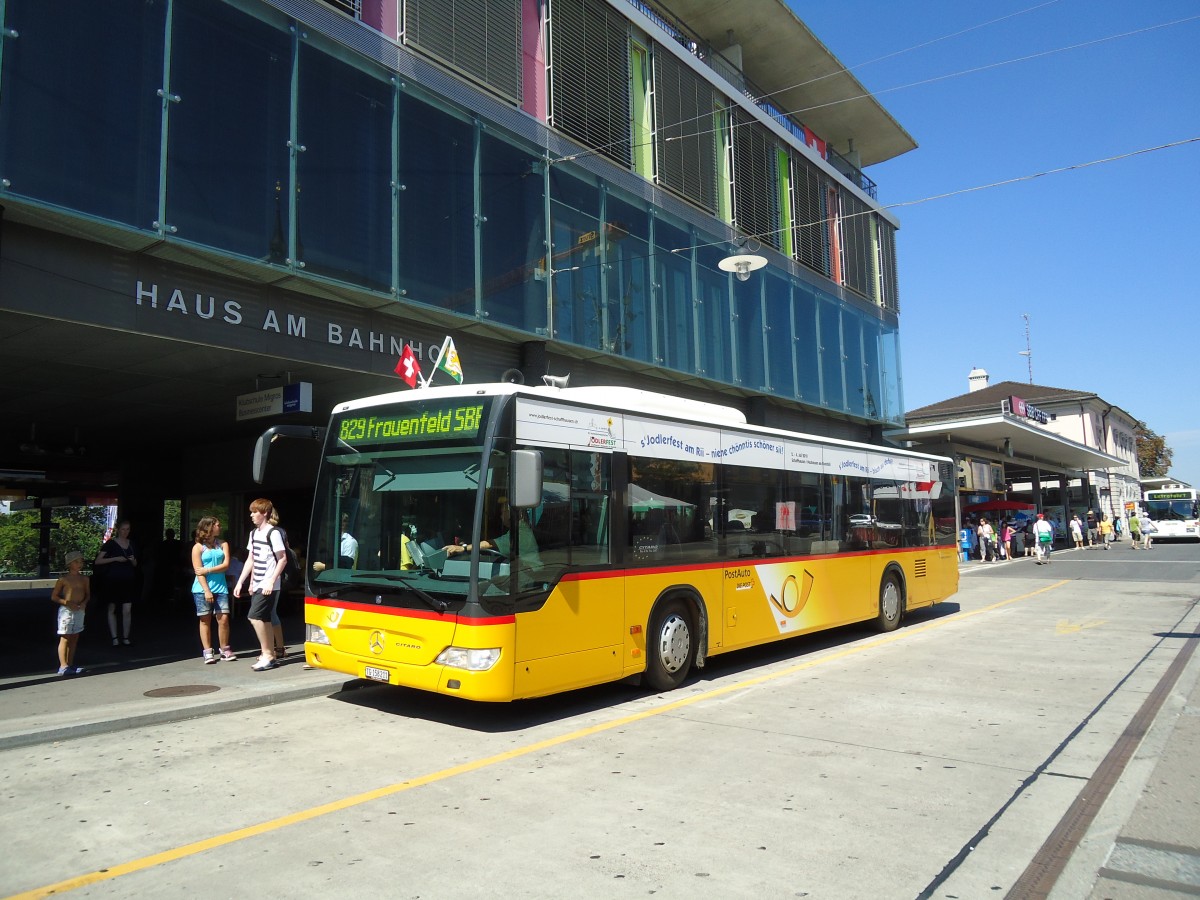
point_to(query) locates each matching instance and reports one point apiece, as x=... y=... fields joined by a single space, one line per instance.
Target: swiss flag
x=408 y=368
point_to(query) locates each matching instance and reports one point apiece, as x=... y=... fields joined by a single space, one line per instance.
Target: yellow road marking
x=230 y=837
x=1064 y=626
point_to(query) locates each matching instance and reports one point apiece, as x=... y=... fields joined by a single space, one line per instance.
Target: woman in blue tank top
x=210 y=560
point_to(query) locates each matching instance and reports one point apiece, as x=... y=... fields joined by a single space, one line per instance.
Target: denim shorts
x=70 y=621
x=218 y=604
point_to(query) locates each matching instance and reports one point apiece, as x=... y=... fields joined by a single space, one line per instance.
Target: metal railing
x=352 y=8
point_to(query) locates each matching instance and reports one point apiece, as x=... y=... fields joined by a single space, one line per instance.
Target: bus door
x=574 y=633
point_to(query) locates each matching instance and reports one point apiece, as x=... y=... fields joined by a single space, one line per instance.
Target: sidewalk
x=160 y=678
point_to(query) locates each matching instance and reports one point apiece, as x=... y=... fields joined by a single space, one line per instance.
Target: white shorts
x=70 y=621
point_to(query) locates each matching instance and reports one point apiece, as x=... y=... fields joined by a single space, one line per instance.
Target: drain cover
x=182 y=690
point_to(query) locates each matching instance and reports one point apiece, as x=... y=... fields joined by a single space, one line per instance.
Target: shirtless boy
x=71 y=592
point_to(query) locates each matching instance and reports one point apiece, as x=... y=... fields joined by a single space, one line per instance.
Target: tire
x=670 y=646
x=891 y=602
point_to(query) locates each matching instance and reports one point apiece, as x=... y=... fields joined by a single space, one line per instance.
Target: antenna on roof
x=1028 y=351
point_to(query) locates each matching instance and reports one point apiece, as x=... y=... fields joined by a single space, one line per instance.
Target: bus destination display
x=424 y=423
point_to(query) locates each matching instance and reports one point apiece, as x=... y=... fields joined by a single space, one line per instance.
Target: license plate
x=376 y=674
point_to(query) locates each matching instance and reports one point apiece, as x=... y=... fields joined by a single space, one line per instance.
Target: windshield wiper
x=431 y=601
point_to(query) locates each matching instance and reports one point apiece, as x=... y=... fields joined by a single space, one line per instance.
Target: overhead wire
x=847 y=69
x=968 y=190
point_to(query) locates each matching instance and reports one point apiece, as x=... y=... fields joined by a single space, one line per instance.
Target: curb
x=165 y=716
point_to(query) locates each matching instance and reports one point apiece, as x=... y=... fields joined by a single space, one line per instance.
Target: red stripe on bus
x=411 y=613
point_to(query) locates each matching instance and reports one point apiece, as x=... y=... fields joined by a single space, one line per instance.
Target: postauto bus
x=514 y=541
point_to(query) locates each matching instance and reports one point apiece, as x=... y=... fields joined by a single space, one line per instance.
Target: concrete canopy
x=1030 y=445
x=786 y=60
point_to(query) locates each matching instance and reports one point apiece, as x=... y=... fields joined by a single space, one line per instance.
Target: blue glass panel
x=674 y=315
x=748 y=331
x=629 y=267
x=779 y=335
x=808 y=355
x=343 y=180
x=893 y=388
x=227 y=154
x=873 y=394
x=575 y=248
x=80 y=125
x=853 y=361
x=513 y=235
x=716 y=338
x=436 y=230
x=833 y=392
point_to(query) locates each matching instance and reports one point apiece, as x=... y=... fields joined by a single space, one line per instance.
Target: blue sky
x=1105 y=260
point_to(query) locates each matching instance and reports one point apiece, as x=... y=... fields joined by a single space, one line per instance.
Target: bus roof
x=625 y=400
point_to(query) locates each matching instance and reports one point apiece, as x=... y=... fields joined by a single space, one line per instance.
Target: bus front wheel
x=891 y=602
x=671 y=647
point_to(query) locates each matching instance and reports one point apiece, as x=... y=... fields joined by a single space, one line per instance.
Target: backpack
x=291 y=568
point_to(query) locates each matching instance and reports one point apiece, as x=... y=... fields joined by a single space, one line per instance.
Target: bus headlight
x=471 y=660
x=315 y=634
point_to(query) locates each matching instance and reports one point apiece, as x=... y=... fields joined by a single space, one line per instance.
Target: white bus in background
x=1174 y=513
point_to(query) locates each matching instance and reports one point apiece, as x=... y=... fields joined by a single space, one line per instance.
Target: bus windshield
x=1171 y=510
x=398 y=486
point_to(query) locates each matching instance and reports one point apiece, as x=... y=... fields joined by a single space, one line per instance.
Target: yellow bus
x=497 y=542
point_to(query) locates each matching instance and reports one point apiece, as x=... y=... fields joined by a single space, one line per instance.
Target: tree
x=1153 y=454
x=78 y=528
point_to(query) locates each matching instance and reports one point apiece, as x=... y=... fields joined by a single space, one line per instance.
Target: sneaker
x=77 y=671
x=65 y=670
x=127 y=642
x=116 y=642
x=228 y=655
x=263 y=664
x=210 y=657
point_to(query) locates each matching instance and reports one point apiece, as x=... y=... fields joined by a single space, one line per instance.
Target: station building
x=1062 y=451
x=207 y=206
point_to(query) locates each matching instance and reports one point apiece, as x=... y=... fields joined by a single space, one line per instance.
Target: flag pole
x=438 y=360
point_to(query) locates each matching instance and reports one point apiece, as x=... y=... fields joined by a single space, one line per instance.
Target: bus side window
x=589 y=530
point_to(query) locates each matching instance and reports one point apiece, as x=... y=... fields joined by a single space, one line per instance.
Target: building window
x=683 y=104
x=481 y=38
x=590 y=77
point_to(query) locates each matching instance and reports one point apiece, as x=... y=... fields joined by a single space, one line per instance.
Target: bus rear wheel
x=891 y=602
x=671 y=646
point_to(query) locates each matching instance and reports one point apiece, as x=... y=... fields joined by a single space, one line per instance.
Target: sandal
x=281 y=652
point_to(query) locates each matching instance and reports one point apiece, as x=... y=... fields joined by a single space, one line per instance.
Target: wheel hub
x=674 y=644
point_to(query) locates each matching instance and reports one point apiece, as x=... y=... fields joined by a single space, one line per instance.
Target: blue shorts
x=218 y=604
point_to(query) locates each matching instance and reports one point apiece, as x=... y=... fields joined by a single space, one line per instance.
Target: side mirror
x=526 y=478
x=263 y=445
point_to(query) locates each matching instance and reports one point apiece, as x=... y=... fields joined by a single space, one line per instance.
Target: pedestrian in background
x=276 y=622
x=1135 y=531
x=1106 y=531
x=210 y=591
x=115 y=570
x=1148 y=529
x=1093 y=535
x=987 y=541
x=1077 y=531
x=71 y=592
x=1006 y=536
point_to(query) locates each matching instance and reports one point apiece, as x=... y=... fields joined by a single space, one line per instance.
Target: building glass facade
x=234 y=128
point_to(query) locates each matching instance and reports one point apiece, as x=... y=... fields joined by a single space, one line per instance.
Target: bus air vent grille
x=919 y=568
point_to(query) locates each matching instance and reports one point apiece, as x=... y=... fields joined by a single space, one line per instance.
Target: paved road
x=933 y=762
